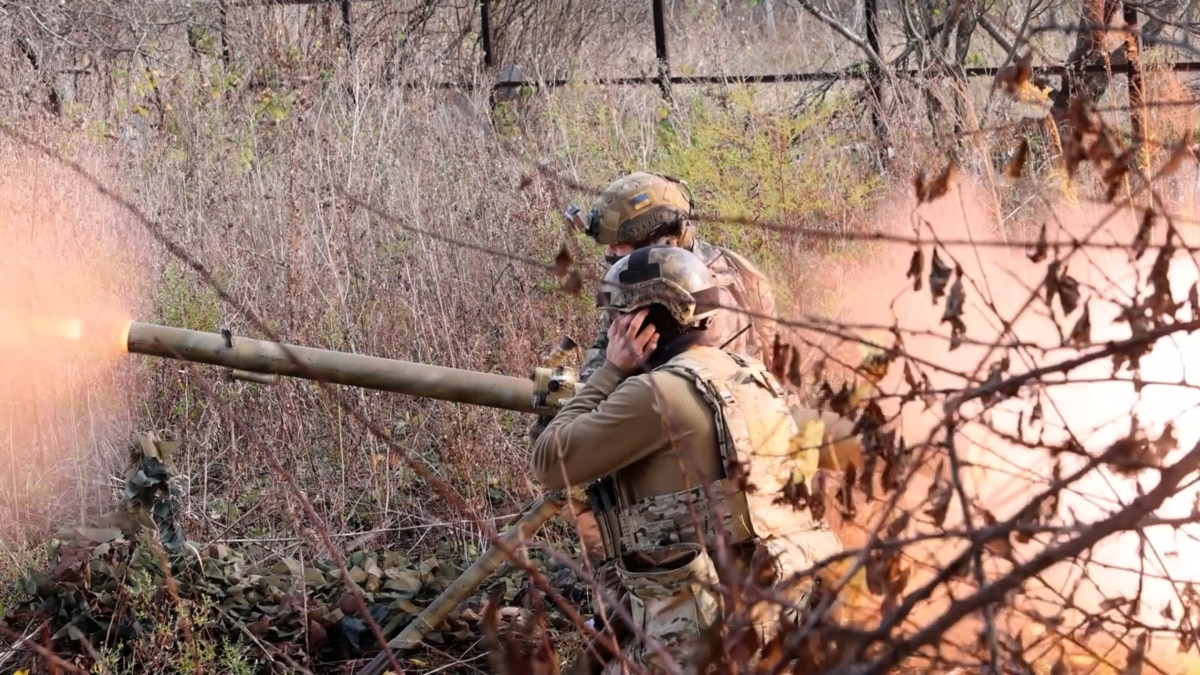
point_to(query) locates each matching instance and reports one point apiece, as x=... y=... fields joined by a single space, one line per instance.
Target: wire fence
x=502 y=83
x=664 y=77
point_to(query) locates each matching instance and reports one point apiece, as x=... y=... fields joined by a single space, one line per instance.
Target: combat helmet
x=670 y=276
x=635 y=208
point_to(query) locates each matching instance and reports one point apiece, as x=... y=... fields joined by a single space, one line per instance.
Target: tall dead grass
x=245 y=167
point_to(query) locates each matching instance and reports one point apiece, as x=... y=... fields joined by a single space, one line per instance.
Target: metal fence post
x=485 y=33
x=223 y=26
x=347 y=34
x=485 y=37
x=660 y=49
x=874 y=76
x=1138 y=122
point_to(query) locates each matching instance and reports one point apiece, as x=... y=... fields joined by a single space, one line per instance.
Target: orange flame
x=68 y=283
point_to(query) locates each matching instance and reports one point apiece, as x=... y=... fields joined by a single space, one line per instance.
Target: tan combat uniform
x=652 y=446
x=743 y=287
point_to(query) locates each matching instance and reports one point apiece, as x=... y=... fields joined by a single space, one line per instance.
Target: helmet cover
x=632 y=208
x=670 y=276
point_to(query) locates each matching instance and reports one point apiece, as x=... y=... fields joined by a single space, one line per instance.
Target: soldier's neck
x=674 y=347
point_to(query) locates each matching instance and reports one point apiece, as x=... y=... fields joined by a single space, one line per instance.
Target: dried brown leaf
x=875 y=362
x=845 y=493
x=941 y=185
x=1079 y=115
x=953 y=312
x=909 y=378
x=939 y=495
x=1040 y=250
x=1014 y=78
x=1109 y=604
x=1128 y=455
x=573 y=284
x=1081 y=334
x=817 y=504
x=1101 y=151
x=260 y=627
x=1114 y=177
x=999 y=544
x=939 y=276
x=562 y=261
x=1068 y=293
x=915 y=266
x=1166 y=443
x=1051 y=281
x=898 y=525
x=795 y=493
x=1135 y=662
x=1181 y=152
x=996 y=373
x=1017 y=164
x=772 y=655
x=1168 y=612
x=1073 y=155
x=786 y=363
x=960 y=568
x=1142 y=239
x=1160 y=301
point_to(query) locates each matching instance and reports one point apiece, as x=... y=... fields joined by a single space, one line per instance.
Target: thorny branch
x=882 y=566
x=1128 y=518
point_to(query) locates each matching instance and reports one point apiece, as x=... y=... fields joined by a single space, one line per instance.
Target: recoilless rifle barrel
x=543 y=392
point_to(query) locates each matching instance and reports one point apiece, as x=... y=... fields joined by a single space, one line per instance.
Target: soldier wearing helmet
x=645 y=208
x=657 y=433
x=641 y=209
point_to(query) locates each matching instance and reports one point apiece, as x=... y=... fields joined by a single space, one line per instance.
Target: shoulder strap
x=719 y=399
x=759 y=372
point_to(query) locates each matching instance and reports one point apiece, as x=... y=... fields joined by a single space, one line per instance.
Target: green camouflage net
x=142 y=596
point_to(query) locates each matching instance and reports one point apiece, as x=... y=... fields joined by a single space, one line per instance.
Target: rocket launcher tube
x=371 y=372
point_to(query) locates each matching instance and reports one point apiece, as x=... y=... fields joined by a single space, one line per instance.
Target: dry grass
x=244 y=166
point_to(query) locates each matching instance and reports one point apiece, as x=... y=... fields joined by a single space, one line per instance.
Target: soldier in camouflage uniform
x=644 y=208
x=656 y=449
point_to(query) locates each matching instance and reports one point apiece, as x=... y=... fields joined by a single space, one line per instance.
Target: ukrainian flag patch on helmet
x=640 y=202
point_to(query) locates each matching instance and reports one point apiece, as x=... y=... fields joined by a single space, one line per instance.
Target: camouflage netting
x=137 y=590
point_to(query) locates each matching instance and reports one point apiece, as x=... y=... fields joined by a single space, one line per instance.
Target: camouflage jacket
x=743 y=286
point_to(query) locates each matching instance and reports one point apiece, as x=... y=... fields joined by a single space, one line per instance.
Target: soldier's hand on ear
x=627 y=347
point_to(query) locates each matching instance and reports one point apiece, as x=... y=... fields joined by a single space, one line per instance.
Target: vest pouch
x=672 y=603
